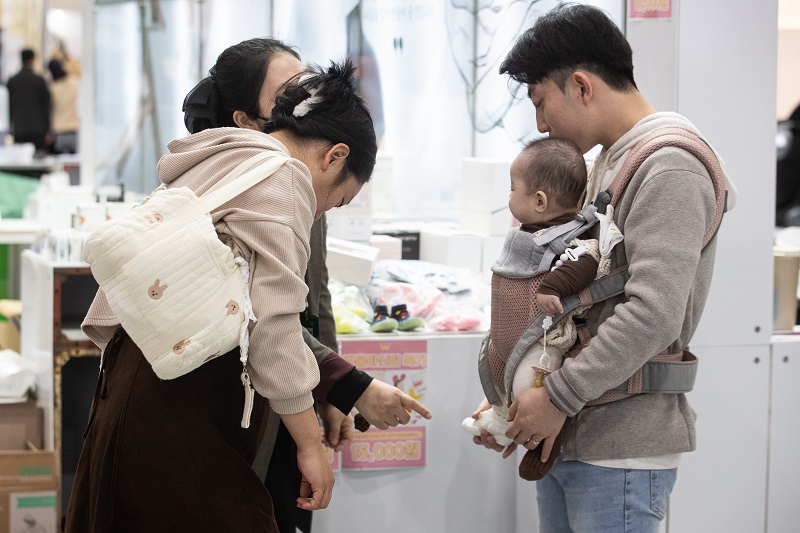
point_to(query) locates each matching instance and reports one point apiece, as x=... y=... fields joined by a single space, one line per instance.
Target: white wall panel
x=727 y=87
x=722 y=485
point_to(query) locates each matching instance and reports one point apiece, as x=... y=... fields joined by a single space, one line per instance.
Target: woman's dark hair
x=56 y=69
x=323 y=104
x=234 y=84
x=571 y=37
x=557 y=167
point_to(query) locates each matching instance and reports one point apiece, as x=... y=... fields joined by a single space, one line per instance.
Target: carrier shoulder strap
x=556 y=239
x=540 y=250
x=685 y=139
x=666 y=373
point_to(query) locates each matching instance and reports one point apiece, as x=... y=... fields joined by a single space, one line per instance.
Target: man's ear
x=243 y=120
x=584 y=85
x=335 y=154
x=540 y=201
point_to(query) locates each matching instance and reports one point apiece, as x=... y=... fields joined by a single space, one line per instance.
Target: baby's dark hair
x=555 y=166
x=323 y=104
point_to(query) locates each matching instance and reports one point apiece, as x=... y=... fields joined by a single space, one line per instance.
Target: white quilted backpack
x=176 y=288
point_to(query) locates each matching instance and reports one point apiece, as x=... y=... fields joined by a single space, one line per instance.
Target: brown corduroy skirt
x=168 y=456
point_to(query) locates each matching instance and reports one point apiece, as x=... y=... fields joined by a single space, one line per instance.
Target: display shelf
x=18 y=231
x=55 y=298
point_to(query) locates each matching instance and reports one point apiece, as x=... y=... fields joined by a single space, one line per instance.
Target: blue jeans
x=581 y=498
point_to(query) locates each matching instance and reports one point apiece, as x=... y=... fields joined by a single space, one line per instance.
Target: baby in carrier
x=541 y=263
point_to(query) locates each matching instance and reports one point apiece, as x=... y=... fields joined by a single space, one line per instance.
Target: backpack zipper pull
x=249 y=396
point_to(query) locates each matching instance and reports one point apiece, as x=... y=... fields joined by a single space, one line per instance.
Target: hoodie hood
x=613 y=157
x=187 y=152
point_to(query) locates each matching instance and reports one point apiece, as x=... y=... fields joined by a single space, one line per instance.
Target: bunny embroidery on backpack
x=156 y=290
x=180 y=347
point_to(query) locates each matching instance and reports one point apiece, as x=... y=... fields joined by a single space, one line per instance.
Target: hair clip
x=302 y=109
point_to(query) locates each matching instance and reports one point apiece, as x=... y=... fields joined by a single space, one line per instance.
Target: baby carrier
x=516 y=328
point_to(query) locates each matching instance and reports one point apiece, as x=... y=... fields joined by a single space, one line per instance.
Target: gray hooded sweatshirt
x=663 y=214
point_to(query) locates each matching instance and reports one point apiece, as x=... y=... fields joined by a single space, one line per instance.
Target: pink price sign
x=650 y=9
x=370 y=356
x=398 y=447
x=401 y=363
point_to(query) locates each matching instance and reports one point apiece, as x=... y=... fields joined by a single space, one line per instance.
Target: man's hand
x=534 y=418
x=550 y=304
x=384 y=406
x=338 y=427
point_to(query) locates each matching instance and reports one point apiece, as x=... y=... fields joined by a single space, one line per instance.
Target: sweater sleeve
x=341 y=384
x=283 y=368
x=663 y=243
x=345 y=393
x=100 y=323
x=570 y=278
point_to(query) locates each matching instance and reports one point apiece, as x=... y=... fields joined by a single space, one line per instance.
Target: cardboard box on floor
x=26 y=508
x=20 y=423
x=28 y=491
x=28 y=477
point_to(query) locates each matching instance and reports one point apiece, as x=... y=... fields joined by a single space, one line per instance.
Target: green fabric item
x=14 y=191
x=383 y=326
x=410 y=323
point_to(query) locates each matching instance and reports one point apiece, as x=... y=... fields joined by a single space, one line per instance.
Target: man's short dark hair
x=571 y=37
x=557 y=167
x=27 y=55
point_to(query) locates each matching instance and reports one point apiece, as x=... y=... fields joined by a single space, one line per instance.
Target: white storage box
x=353 y=222
x=488 y=223
x=54 y=209
x=381 y=185
x=485 y=185
x=390 y=247
x=453 y=247
x=490 y=251
x=88 y=216
x=350 y=262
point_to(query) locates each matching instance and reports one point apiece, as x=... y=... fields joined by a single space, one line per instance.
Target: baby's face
x=526 y=206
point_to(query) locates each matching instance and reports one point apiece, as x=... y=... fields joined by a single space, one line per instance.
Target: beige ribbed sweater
x=269 y=225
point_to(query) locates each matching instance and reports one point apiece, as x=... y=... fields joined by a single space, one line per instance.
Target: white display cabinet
x=783 y=512
x=462 y=487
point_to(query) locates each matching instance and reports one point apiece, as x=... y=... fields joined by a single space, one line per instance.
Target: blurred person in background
x=64 y=114
x=29 y=105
